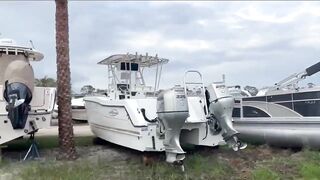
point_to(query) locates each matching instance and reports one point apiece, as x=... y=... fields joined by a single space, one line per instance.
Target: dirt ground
x=94 y=151
x=243 y=162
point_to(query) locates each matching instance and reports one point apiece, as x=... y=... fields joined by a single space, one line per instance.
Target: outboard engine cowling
x=19 y=85
x=18 y=97
x=221 y=105
x=172 y=110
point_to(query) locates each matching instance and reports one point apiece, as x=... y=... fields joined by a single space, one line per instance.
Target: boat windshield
x=126 y=66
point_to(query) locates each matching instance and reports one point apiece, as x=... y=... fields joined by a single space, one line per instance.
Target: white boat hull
x=199 y=134
x=78 y=109
x=40 y=115
x=79 y=114
x=120 y=122
x=114 y=122
x=7 y=133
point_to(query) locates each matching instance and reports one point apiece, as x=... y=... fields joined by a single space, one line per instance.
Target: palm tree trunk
x=66 y=141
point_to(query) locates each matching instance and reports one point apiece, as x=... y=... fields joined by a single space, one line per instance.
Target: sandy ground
x=78 y=129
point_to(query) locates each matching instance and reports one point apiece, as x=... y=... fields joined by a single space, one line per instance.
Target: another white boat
x=285 y=114
x=143 y=118
x=79 y=112
x=78 y=109
x=55 y=111
x=23 y=108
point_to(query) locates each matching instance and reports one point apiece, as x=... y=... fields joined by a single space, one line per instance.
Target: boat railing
x=8 y=47
x=198 y=86
x=291 y=82
x=142 y=88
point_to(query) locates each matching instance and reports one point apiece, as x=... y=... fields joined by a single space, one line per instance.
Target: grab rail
x=195 y=83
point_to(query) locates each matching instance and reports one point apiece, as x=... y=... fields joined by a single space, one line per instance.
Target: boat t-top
x=23 y=108
x=144 y=118
x=125 y=75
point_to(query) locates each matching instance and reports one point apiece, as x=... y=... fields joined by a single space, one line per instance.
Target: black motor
x=18 y=97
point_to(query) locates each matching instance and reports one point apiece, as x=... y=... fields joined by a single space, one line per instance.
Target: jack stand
x=33 y=152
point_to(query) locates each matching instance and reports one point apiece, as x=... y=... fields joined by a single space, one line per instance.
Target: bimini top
x=144 y=61
x=9 y=47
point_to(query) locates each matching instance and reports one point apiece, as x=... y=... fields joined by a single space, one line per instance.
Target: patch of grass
x=310 y=166
x=310 y=170
x=57 y=170
x=201 y=165
x=157 y=171
x=3 y=162
x=46 y=142
x=264 y=174
x=196 y=167
x=285 y=167
x=310 y=155
x=208 y=167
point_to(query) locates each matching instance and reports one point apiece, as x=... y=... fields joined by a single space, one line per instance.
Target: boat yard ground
x=102 y=160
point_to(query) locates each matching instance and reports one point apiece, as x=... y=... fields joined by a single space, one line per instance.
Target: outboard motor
x=19 y=84
x=172 y=110
x=221 y=104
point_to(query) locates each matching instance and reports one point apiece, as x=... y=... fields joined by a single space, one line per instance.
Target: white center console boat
x=145 y=118
x=23 y=108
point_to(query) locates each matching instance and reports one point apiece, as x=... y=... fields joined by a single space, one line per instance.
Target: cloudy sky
x=253 y=43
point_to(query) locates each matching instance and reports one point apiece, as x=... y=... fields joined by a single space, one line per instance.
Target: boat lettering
x=113 y=112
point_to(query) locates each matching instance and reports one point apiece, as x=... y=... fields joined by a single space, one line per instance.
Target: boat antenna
x=127 y=56
x=157 y=71
x=31 y=44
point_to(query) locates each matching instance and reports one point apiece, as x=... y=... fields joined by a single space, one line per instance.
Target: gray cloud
x=253 y=43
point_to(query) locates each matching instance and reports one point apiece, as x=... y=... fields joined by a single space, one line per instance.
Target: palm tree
x=66 y=141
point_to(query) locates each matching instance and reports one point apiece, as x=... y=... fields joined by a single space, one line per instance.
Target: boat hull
x=40 y=115
x=284 y=118
x=79 y=114
x=7 y=133
x=116 y=122
x=121 y=122
x=282 y=132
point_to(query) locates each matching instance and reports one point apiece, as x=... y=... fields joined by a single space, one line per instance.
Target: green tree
x=46 y=82
x=252 y=90
x=87 y=89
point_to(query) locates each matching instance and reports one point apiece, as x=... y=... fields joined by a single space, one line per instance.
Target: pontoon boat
x=285 y=114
